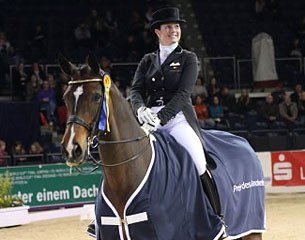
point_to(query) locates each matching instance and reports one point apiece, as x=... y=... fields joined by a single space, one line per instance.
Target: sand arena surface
x=285 y=220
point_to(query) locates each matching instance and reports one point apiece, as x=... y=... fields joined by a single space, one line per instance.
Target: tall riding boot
x=210 y=188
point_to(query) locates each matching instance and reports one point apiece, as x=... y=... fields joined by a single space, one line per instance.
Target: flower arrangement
x=6 y=197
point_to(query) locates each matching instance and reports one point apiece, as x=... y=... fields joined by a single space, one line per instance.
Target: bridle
x=93 y=140
x=92 y=127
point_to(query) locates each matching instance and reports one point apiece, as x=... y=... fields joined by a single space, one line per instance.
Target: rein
x=93 y=140
x=128 y=159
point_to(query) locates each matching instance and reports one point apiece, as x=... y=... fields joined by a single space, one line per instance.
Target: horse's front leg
x=253 y=236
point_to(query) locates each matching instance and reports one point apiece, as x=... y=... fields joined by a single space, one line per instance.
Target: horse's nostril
x=77 y=151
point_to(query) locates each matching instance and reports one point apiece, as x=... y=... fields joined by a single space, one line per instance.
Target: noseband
x=93 y=140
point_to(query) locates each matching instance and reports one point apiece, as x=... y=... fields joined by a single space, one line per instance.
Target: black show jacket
x=170 y=84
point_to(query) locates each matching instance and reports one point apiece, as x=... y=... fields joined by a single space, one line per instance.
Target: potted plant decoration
x=12 y=210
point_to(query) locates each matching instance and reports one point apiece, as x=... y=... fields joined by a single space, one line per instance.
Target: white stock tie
x=165 y=51
x=163 y=55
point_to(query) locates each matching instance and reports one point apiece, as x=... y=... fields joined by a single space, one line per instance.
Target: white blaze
x=77 y=93
x=70 y=142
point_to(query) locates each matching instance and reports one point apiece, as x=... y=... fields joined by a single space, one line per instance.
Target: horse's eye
x=97 y=97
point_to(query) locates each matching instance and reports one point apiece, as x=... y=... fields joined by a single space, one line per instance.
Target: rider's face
x=169 y=33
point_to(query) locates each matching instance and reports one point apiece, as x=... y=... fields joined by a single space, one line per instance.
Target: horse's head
x=84 y=99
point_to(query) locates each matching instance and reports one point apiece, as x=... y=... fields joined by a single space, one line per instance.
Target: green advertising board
x=52 y=184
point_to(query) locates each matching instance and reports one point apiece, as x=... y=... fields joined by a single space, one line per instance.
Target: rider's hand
x=152 y=127
x=146 y=115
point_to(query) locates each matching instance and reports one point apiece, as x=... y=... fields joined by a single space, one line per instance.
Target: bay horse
x=98 y=114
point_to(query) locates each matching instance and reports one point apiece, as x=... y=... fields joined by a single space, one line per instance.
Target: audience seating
x=228 y=27
x=273 y=139
x=298 y=136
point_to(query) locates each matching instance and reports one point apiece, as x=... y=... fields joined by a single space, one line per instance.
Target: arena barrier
x=284 y=171
x=53 y=185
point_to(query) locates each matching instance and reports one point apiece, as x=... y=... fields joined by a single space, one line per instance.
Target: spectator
x=269 y=112
x=200 y=89
x=3 y=153
x=93 y=19
x=106 y=65
x=278 y=94
x=37 y=70
x=19 y=83
x=32 y=89
x=227 y=100
x=295 y=96
x=53 y=83
x=213 y=89
x=288 y=110
x=296 y=50
x=82 y=34
x=217 y=113
x=36 y=148
x=18 y=149
x=202 y=112
x=47 y=100
x=244 y=103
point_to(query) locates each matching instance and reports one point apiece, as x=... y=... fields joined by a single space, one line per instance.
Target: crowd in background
x=102 y=31
x=217 y=107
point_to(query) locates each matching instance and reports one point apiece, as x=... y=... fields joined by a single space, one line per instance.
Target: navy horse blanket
x=240 y=181
x=170 y=204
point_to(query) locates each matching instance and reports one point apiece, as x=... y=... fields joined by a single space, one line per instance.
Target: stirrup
x=91 y=229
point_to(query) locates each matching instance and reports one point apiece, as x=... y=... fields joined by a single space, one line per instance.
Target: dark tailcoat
x=170 y=84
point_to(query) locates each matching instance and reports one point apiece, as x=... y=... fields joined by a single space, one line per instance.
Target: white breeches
x=184 y=134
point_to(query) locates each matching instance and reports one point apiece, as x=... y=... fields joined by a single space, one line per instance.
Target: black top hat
x=165 y=15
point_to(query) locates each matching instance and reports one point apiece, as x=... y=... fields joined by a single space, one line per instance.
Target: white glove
x=146 y=115
x=152 y=127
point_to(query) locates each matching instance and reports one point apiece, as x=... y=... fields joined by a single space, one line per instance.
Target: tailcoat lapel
x=155 y=58
x=173 y=56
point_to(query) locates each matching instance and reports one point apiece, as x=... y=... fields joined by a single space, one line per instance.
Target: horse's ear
x=93 y=63
x=65 y=65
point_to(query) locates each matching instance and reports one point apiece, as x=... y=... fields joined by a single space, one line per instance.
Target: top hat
x=165 y=15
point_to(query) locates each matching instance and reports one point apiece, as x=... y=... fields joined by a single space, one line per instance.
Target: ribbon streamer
x=104 y=117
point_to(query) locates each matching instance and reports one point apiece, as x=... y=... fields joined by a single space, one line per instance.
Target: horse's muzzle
x=74 y=156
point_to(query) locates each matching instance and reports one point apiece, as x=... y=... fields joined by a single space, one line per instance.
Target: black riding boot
x=210 y=188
